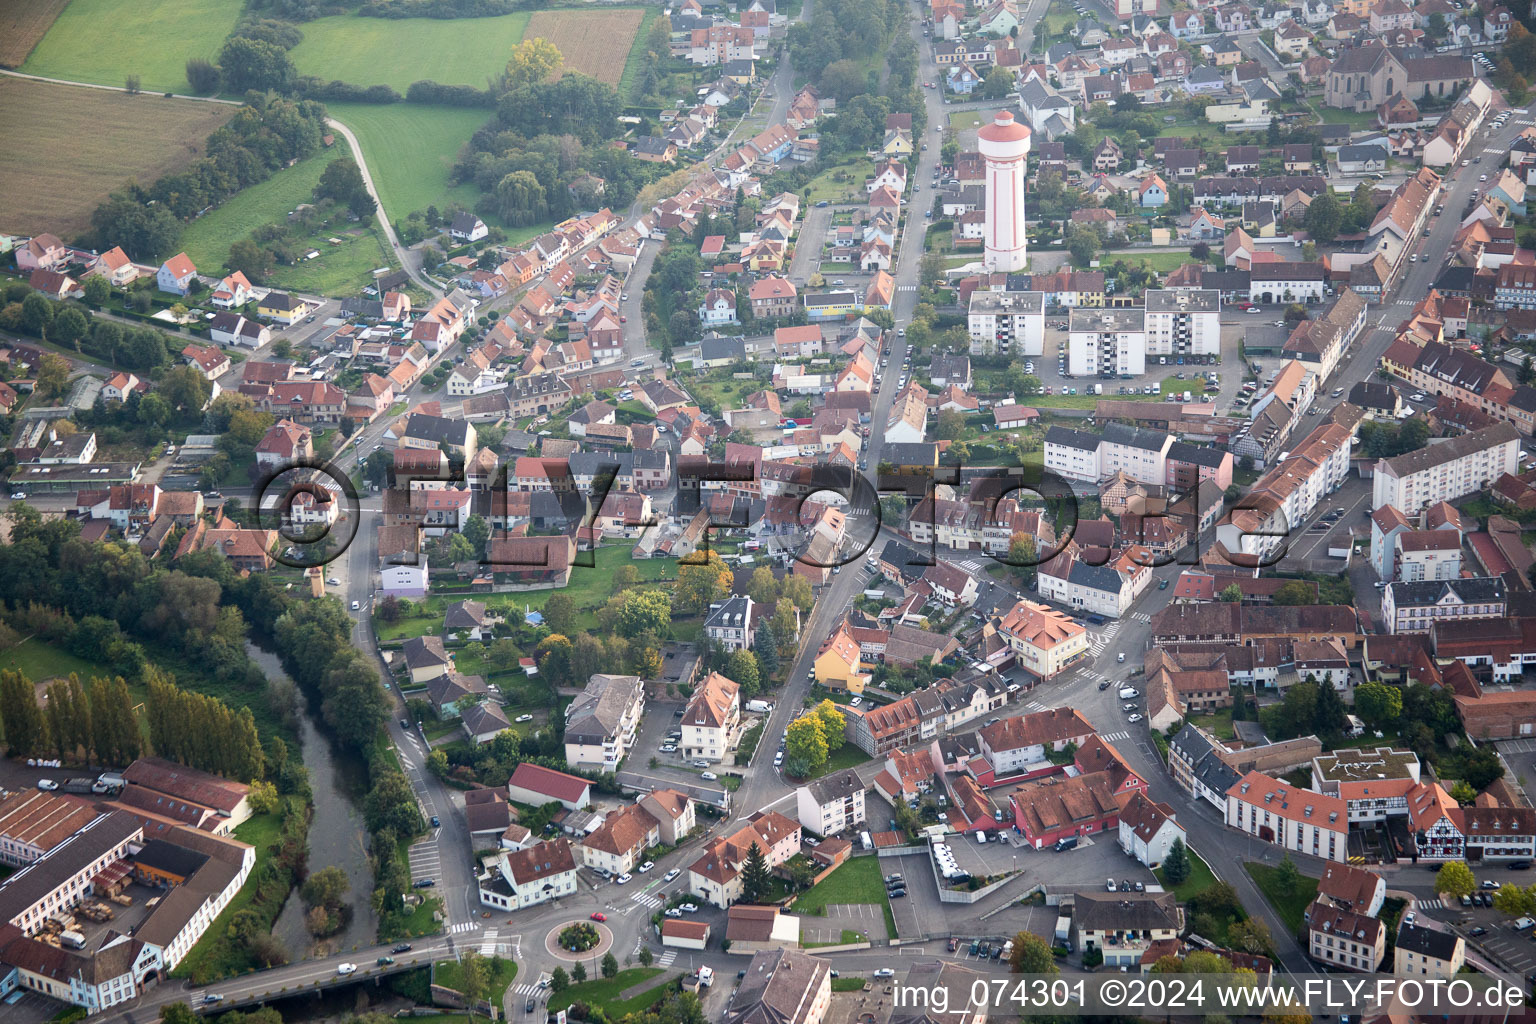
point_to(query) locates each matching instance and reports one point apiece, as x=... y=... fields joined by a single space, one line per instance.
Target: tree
x=559 y=981
x=950 y=426
x=645 y=956
x=1083 y=245
x=700 y=584
x=832 y=722
x=131 y=84
x=1512 y=900
x=52 y=374
x=533 y=60
x=644 y=611
x=1031 y=955
x=250 y=259
x=341 y=180
x=756 y=884
x=69 y=326
x=579 y=972
x=1379 y=706
x=742 y=669
x=1295 y=592
x=763 y=588
x=1287 y=877
x=1324 y=217
x=1176 y=866
x=473 y=980
x=1454 y=880
x=998 y=84
x=1463 y=793
x=1232 y=593
x=1023 y=559
x=97 y=290
x=36 y=314
x=610 y=965
x=255 y=64
x=805 y=748
x=1250 y=935
x=560 y=613
x=202 y=75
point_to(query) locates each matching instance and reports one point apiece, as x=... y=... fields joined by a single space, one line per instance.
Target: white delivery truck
x=761 y=707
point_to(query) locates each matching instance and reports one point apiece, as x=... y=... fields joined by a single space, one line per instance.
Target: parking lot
x=866 y=918
x=919 y=912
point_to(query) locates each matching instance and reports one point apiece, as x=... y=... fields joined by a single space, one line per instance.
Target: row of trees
x=264 y=136
x=201 y=731
x=96 y=723
x=67 y=323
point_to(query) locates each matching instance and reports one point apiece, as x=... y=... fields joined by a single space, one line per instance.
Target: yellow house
x=837 y=665
x=1044 y=640
x=282 y=307
x=898 y=143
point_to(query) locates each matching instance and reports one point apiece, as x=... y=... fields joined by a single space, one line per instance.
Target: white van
x=981 y=837
x=1129 y=693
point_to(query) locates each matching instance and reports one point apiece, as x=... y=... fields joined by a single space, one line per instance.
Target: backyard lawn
x=207 y=239
x=843 y=182
x=1200 y=878
x=342 y=268
x=410 y=149
x=1292 y=907
x=367 y=51
x=103 y=42
x=857 y=881
x=845 y=756
x=604 y=993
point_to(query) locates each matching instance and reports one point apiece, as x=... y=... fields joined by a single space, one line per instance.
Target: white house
x=176 y=275
x=718 y=308
x=831 y=804
x=711 y=723
x=1148 y=829
x=523 y=878
x=600 y=725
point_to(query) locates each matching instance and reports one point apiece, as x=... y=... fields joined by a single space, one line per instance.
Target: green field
x=1200 y=878
x=339 y=270
x=40 y=661
x=369 y=51
x=498 y=975
x=207 y=239
x=604 y=992
x=1292 y=906
x=410 y=149
x=856 y=881
x=104 y=42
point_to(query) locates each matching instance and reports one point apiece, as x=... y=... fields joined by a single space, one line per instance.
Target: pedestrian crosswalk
x=462 y=926
x=666 y=958
x=1429 y=904
x=527 y=990
x=1034 y=705
x=906 y=288
x=488 y=943
x=1141 y=617
x=1115 y=737
x=971 y=566
x=646 y=899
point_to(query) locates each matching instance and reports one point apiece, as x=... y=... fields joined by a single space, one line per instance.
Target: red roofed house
x=42 y=252
x=536 y=786
x=771 y=298
x=233 y=291
x=210 y=360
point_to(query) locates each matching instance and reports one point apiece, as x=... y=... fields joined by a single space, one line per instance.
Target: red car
x=598 y=915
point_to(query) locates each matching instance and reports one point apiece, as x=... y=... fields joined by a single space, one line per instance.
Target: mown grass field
x=105 y=41
x=339 y=270
x=67 y=147
x=40 y=661
x=410 y=149
x=22 y=24
x=207 y=239
x=369 y=51
x=594 y=43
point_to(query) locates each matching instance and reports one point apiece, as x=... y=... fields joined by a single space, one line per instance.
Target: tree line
x=95 y=722
x=202 y=732
x=67 y=323
x=264 y=136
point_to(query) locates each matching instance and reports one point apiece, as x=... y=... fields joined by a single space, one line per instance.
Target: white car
x=1134 y=718
x=708 y=776
x=1121 y=657
x=333 y=581
x=346 y=969
x=778 y=759
x=524 y=718
x=671 y=875
x=674 y=912
x=48 y=785
x=885 y=972
x=356 y=605
x=647 y=866
x=856 y=701
x=701 y=764
x=689 y=908
x=623 y=878
x=669 y=748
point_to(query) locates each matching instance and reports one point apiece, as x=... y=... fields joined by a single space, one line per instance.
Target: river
x=336 y=836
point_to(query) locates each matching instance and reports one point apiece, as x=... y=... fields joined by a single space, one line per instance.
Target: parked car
x=524 y=718
x=646 y=867
x=885 y=972
x=708 y=776
x=623 y=879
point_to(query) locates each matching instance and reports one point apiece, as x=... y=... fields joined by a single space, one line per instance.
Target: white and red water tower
x=1003 y=145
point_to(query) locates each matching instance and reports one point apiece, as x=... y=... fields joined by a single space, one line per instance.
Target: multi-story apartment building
x=1415 y=607
x=1447 y=470
x=1345 y=939
x=782 y=986
x=1428 y=949
x=1374 y=784
x=716 y=874
x=1263 y=518
x=831 y=804
x=1076 y=455
x=600 y=725
x=1007 y=323
x=1107 y=341
x=712 y=721
x=1009 y=745
x=1124 y=926
x=1294 y=819
x=523 y=878
x=620 y=842
x=1181 y=322
x=1045 y=642
x=729 y=623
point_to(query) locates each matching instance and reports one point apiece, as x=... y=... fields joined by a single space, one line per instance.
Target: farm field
x=22 y=24
x=366 y=51
x=103 y=41
x=95 y=141
x=594 y=43
x=410 y=149
x=207 y=239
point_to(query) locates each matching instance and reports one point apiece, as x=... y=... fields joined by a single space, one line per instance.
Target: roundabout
x=583 y=931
